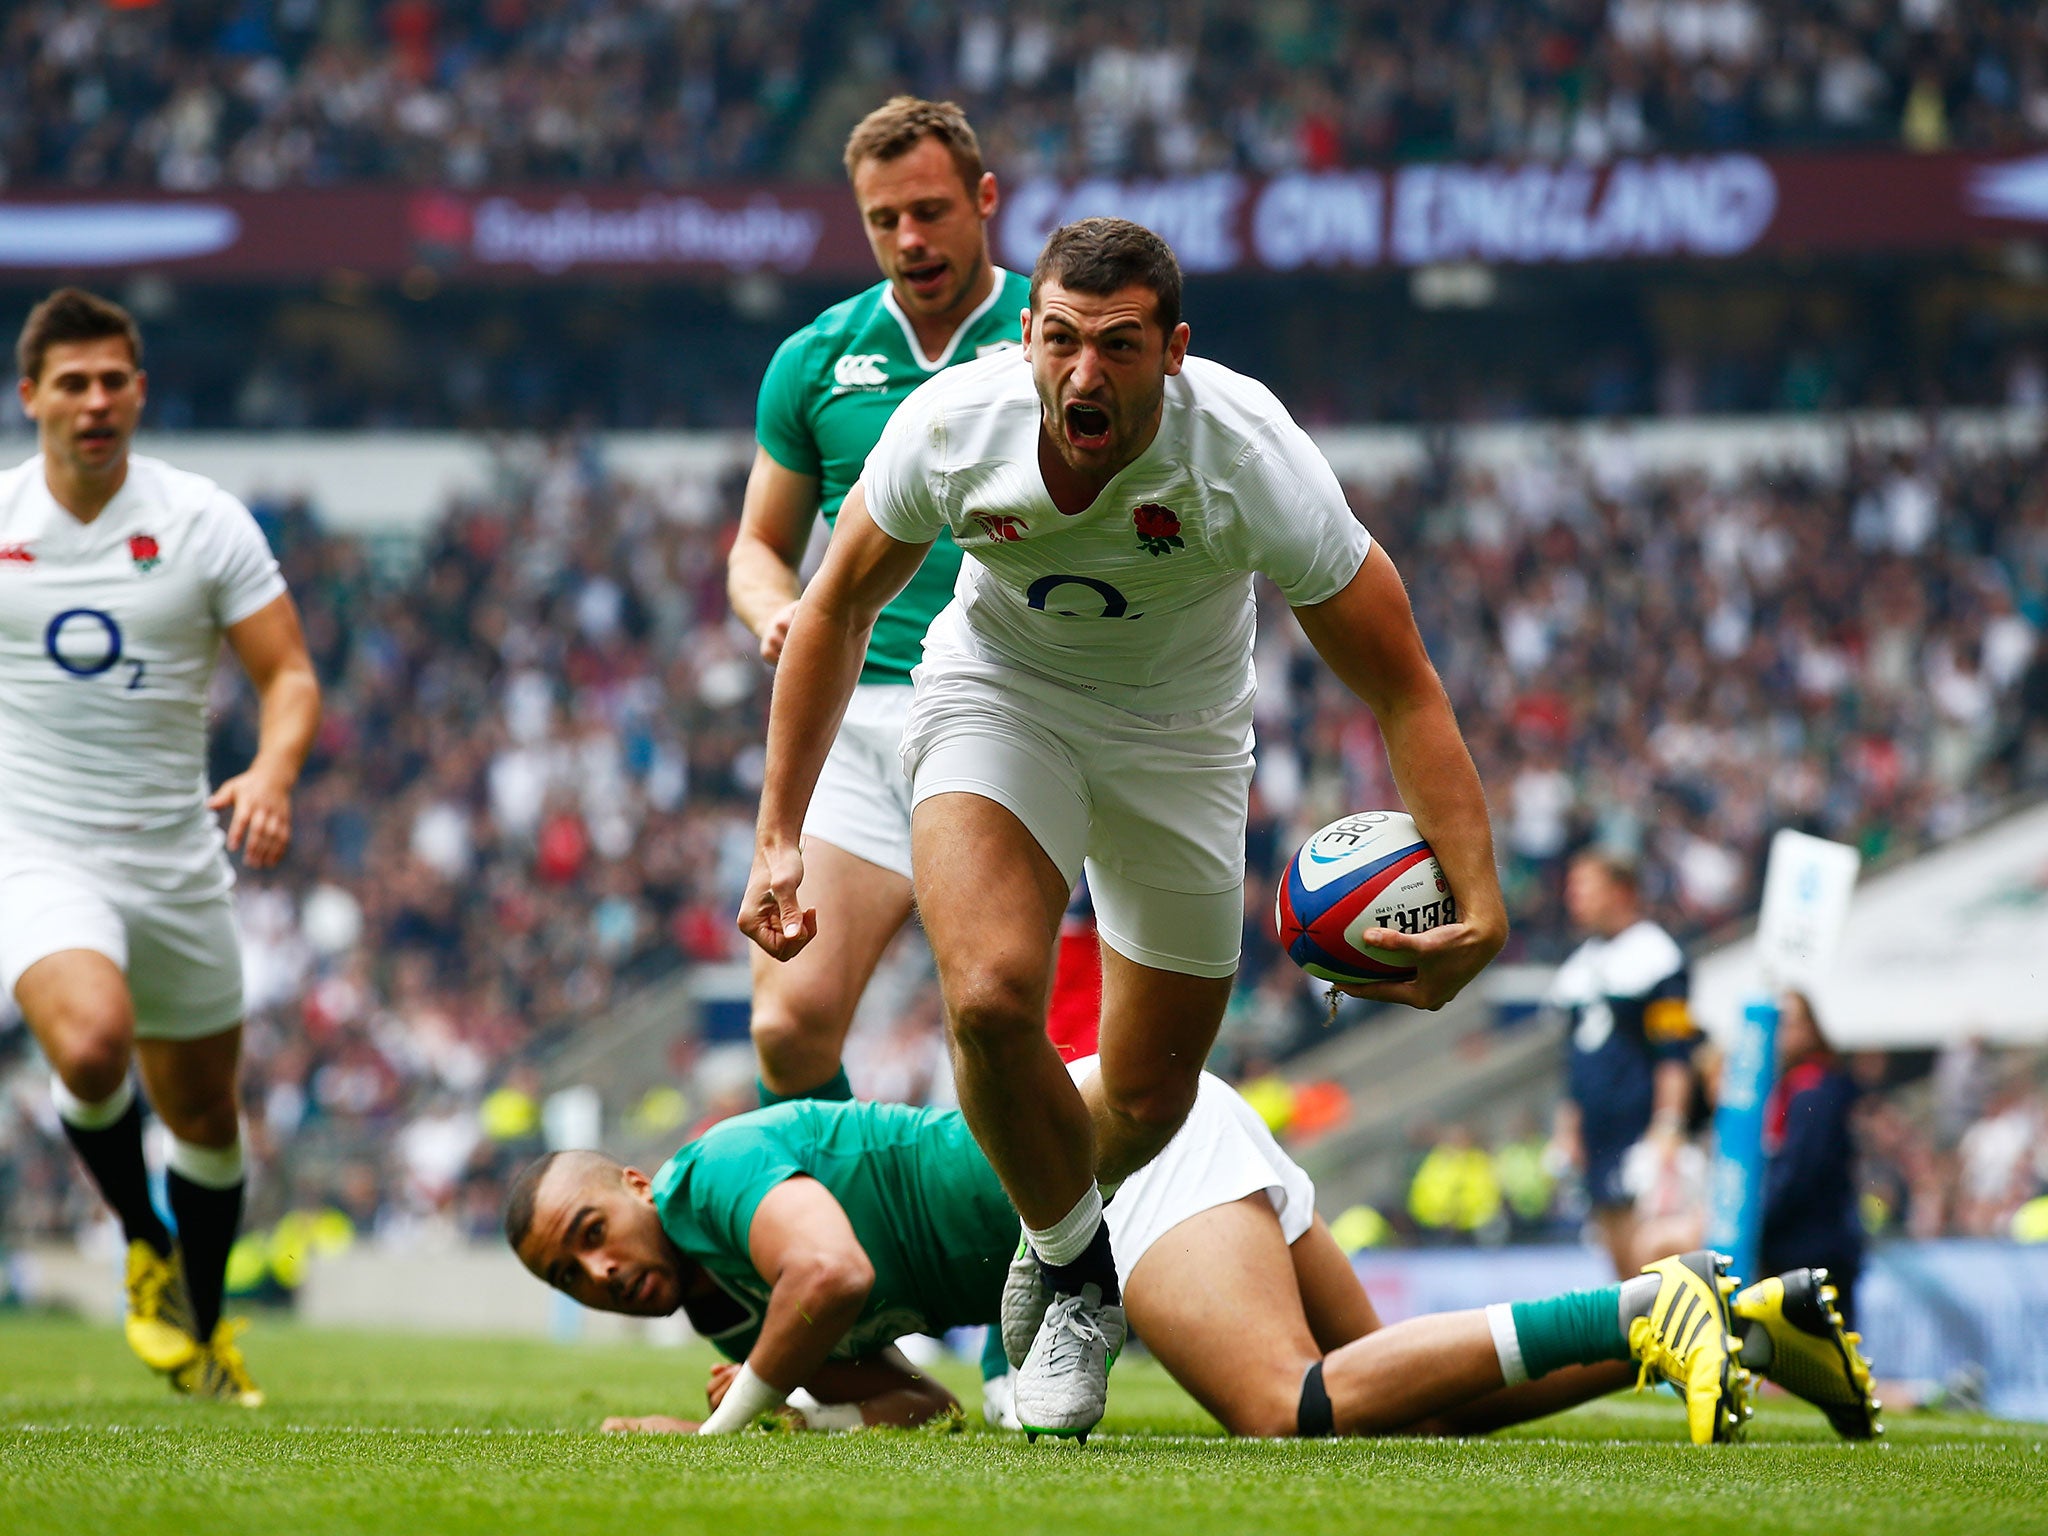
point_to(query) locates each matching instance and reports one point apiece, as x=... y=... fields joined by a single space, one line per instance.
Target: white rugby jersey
x=1144 y=599
x=109 y=631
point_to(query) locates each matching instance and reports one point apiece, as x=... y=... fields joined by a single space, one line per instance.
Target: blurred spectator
x=207 y=92
x=1811 y=1216
x=1456 y=1192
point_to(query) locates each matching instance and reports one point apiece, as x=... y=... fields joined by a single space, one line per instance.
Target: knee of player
x=1159 y=1104
x=91 y=1051
x=781 y=1030
x=1266 y=1404
x=214 y=1125
x=995 y=1005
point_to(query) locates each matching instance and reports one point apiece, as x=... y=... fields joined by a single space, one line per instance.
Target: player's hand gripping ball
x=1370 y=870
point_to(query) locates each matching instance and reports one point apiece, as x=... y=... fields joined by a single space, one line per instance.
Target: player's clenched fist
x=771 y=915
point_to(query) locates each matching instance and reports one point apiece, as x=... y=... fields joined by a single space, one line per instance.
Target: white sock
x=208 y=1167
x=1068 y=1238
x=73 y=1110
x=1507 y=1344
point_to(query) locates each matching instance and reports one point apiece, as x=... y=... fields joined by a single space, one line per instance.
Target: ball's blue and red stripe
x=1312 y=922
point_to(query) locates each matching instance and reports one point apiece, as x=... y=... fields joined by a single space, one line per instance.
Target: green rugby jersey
x=920 y=1196
x=829 y=391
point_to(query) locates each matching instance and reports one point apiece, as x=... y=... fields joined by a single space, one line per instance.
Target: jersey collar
x=1002 y=280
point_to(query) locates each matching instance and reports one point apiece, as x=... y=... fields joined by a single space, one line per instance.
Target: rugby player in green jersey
x=925 y=202
x=804 y=1239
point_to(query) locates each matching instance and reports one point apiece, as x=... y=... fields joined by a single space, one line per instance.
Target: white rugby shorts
x=172 y=935
x=862 y=802
x=1221 y=1154
x=1153 y=807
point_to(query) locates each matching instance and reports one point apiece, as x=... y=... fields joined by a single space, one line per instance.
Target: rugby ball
x=1370 y=870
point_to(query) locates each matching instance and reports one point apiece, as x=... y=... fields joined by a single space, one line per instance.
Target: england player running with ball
x=119 y=577
x=1086 y=700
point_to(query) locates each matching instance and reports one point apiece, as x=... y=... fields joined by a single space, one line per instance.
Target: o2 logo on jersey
x=86 y=642
x=1114 y=604
x=860 y=370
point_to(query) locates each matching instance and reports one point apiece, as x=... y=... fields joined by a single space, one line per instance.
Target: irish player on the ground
x=804 y=1239
x=1087 y=700
x=925 y=202
x=119 y=576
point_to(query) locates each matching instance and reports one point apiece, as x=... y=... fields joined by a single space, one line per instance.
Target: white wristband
x=745 y=1401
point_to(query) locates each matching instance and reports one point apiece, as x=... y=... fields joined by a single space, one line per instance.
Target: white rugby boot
x=1025 y=1298
x=1063 y=1385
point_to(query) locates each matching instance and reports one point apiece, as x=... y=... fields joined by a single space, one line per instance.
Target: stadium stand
x=464 y=92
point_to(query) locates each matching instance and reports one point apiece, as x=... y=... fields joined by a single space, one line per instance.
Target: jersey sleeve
x=1293 y=524
x=780 y=425
x=732 y=1175
x=897 y=476
x=1668 y=1024
x=242 y=574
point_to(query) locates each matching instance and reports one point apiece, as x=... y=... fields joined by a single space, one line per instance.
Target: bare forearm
x=289 y=714
x=759 y=582
x=808 y=1313
x=820 y=665
x=1441 y=789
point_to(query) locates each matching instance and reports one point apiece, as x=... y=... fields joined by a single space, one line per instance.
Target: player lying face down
x=870 y=1221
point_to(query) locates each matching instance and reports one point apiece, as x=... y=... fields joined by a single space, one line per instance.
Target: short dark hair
x=72 y=314
x=902 y=123
x=519 y=1198
x=1103 y=256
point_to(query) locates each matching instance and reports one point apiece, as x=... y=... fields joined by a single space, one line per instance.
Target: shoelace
x=1655 y=1354
x=1071 y=1333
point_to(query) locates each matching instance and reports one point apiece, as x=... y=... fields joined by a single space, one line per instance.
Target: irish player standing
x=119 y=575
x=925 y=202
x=1087 y=699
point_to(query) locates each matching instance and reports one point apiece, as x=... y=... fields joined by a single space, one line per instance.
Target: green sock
x=1577 y=1328
x=994 y=1362
x=834 y=1087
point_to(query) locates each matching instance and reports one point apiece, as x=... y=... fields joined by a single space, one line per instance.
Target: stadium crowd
x=533 y=790
x=267 y=93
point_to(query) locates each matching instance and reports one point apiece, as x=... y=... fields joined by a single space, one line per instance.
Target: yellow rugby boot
x=1813 y=1355
x=219 y=1373
x=1687 y=1339
x=159 y=1321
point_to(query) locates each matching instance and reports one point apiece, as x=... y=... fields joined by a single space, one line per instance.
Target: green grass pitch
x=423 y=1436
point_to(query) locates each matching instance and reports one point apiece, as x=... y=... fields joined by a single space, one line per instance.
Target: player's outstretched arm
x=821 y=662
x=802 y=1244
x=1367 y=634
x=761 y=573
x=272 y=650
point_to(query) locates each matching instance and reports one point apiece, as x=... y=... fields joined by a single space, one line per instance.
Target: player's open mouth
x=1087 y=425
x=926 y=280
x=97 y=435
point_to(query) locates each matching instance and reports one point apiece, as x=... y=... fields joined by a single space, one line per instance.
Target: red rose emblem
x=1158 y=528
x=143 y=551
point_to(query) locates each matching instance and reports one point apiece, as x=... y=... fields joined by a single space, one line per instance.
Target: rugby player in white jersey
x=1086 y=700
x=119 y=576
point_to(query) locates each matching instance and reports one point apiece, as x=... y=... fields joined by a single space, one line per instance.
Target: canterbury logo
x=16 y=554
x=860 y=370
